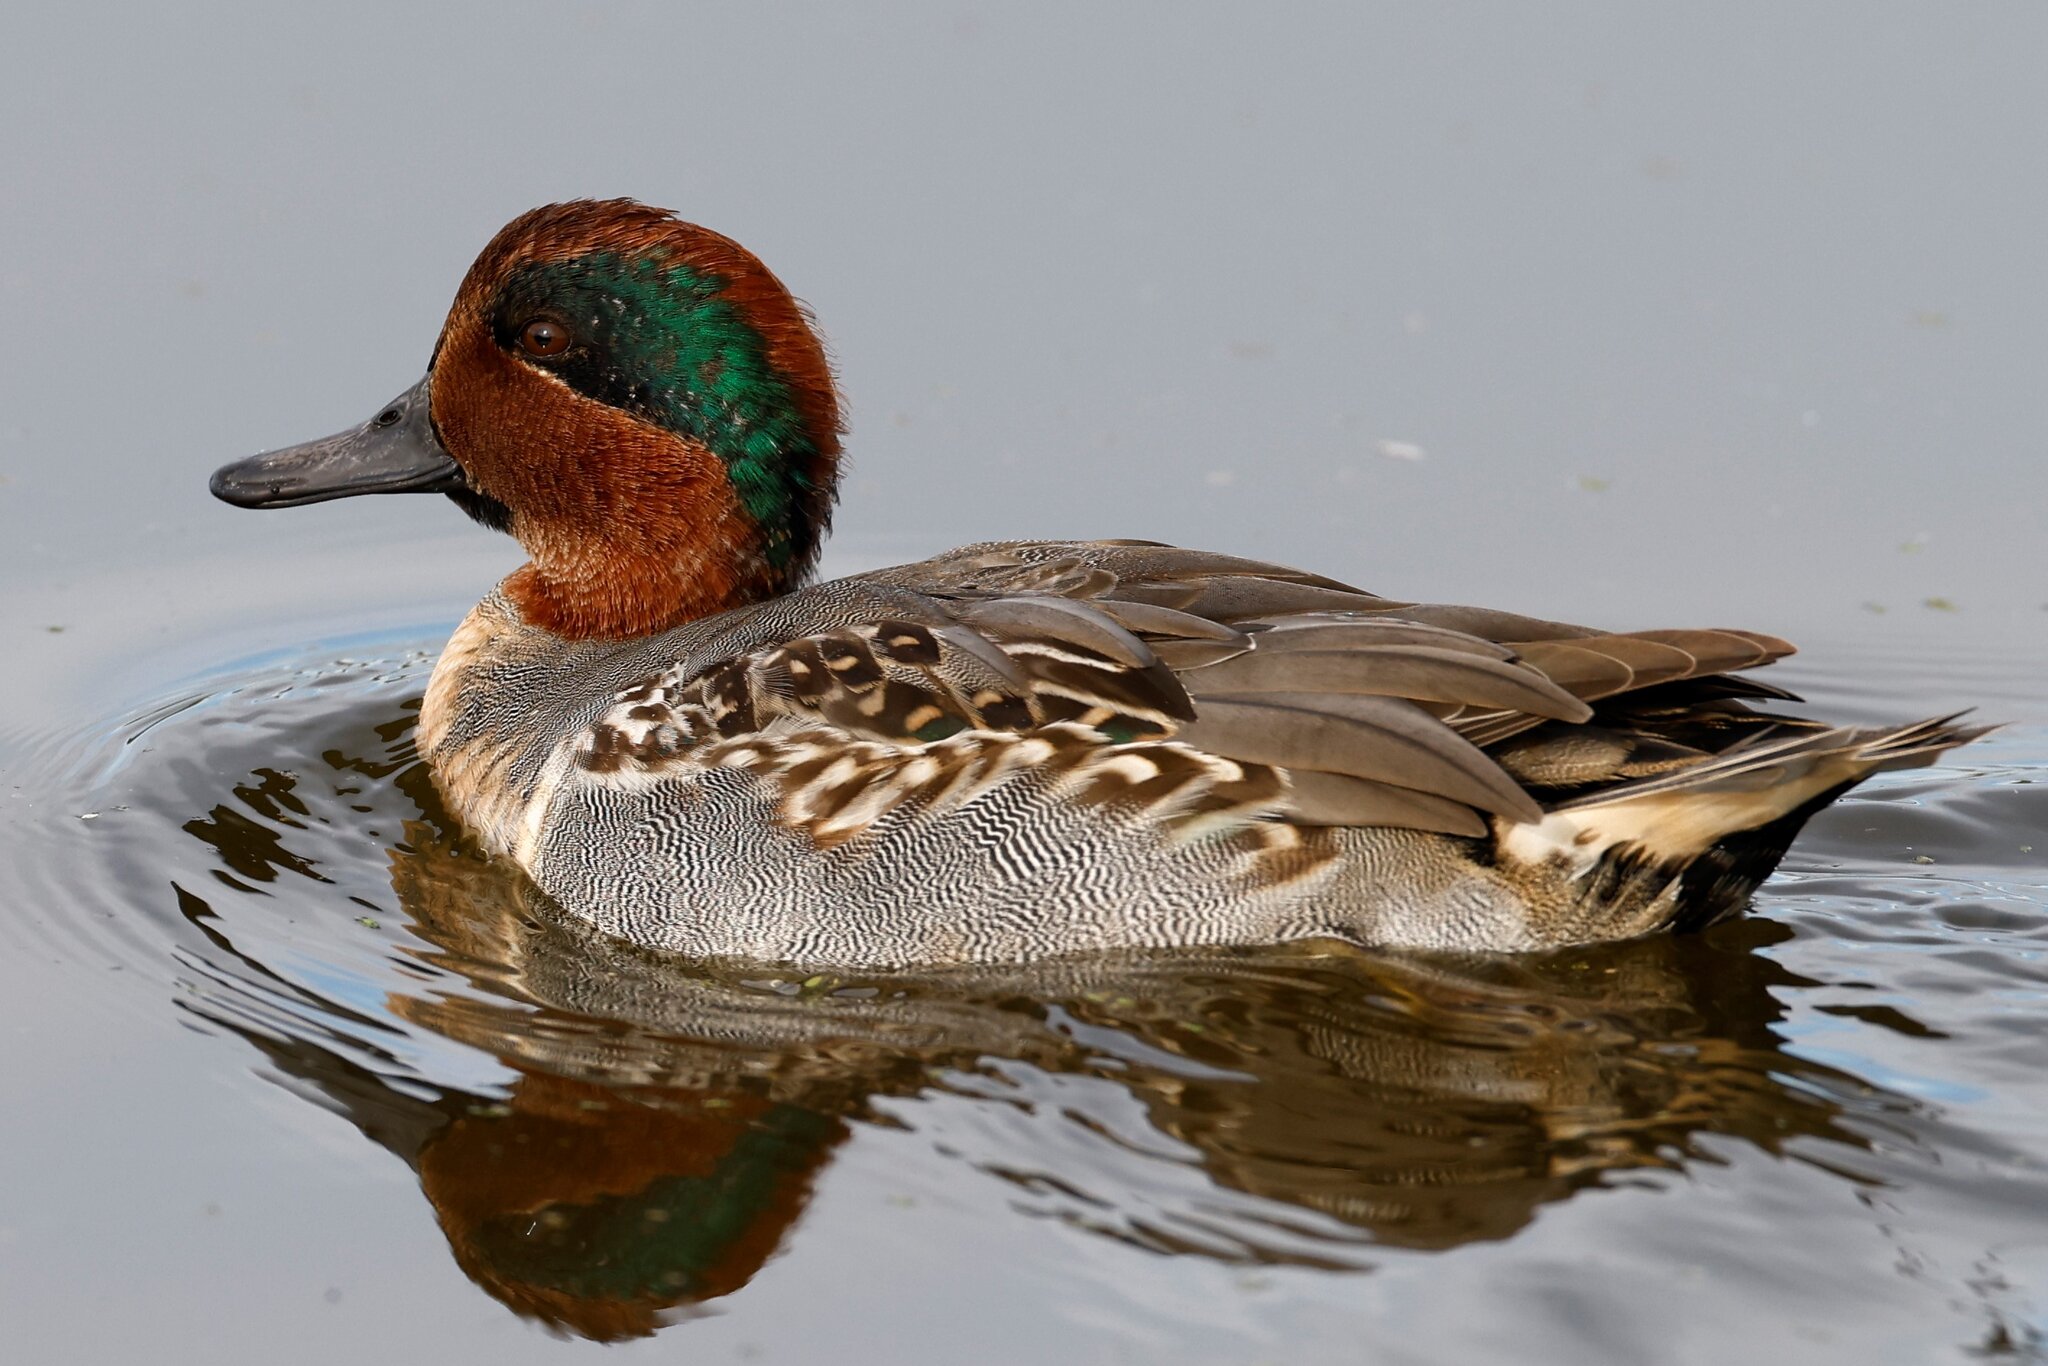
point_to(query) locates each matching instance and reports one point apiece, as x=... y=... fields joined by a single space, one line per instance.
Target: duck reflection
x=668 y=1121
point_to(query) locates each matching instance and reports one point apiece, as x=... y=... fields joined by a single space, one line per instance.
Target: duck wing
x=1565 y=710
x=1292 y=695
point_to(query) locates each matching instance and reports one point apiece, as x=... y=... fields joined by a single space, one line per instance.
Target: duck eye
x=543 y=337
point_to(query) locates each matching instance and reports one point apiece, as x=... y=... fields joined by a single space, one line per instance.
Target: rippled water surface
x=1644 y=316
x=426 y=1093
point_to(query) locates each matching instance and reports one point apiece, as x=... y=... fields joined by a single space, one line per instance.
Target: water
x=1692 y=319
x=1819 y=1125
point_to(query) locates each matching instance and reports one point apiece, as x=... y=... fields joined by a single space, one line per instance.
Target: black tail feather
x=1719 y=882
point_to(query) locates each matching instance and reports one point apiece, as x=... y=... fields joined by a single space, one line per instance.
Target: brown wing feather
x=1384 y=739
x=1317 y=798
x=1416 y=672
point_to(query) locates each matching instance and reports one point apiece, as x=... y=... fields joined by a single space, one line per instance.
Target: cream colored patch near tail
x=1678 y=817
x=1677 y=826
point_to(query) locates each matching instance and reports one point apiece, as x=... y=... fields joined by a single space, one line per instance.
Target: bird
x=1015 y=750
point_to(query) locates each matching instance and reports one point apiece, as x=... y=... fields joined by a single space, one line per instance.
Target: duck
x=1015 y=750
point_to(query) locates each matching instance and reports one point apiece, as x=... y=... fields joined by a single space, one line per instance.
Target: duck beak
x=394 y=452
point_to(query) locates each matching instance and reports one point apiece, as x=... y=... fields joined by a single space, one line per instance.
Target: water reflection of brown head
x=596 y=1210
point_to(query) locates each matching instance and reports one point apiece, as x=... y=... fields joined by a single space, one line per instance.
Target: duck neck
x=619 y=591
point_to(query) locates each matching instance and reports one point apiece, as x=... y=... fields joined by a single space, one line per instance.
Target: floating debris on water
x=1401 y=450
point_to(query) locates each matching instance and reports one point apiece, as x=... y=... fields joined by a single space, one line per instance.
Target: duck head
x=636 y=399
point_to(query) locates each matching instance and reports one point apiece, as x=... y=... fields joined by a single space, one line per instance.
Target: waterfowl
x=1016 y=749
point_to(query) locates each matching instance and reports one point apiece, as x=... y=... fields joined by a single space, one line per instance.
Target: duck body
x=694 y=791
x=1016 y=749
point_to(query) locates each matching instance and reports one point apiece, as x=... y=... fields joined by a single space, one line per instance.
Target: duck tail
x=1685 y=849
